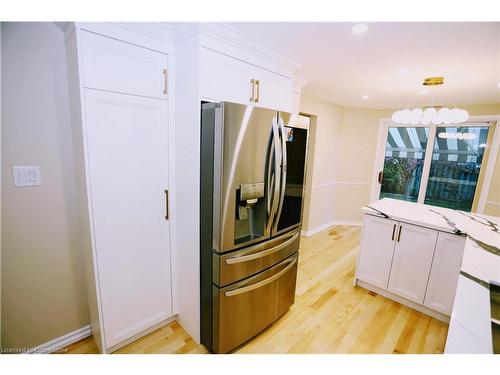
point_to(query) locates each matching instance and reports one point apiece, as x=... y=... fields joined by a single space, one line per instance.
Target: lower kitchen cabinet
x=377 y=244
x=444 y=274
x=411 y=264
x=412 y=261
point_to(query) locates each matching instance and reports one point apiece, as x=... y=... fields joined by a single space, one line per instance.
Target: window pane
x=403 y=163
x=456 y=162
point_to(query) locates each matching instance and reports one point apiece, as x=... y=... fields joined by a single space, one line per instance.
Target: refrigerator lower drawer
x=246 y=308
x=237 y=265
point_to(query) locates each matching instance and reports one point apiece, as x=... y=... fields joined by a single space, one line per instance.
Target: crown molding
x=208 y=32
x=162 y=31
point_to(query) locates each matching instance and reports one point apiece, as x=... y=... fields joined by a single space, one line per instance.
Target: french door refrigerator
x=252 y=179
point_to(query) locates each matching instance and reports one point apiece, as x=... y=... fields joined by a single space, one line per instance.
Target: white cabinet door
x=224 y=78
x=112 y=65
x=444 y=272
x=127 y=151
x=412 y=261
x=377 y=247
x=274 y=91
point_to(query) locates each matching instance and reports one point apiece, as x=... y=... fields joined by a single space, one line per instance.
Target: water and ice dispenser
x=250 y=212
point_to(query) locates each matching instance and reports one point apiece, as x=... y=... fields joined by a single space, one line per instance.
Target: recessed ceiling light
x=359 y=28
x=365 y=97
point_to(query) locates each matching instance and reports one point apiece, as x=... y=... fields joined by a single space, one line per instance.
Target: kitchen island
x=425 y=268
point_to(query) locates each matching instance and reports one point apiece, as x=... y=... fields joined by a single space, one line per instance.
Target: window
x=438 y=165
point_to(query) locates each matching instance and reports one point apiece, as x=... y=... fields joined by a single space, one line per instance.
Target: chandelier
x=433 y=114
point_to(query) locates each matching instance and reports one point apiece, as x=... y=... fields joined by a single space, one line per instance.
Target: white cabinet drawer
x=113 y=65
x=444 y=272
x=224 y=78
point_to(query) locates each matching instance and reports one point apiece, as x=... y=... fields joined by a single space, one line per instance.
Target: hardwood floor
x=330 y=315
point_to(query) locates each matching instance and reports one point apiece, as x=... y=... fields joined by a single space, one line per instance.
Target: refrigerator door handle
x=281 y=127
x=270 y=175
x=277 y=173
x=260 y=284
x=261 y=254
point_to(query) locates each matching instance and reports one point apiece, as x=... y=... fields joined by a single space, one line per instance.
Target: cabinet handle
x=165 y=81
x=399 y=234
x=252 y=96
x=166 y=205
x=257 y=83
x=393 y=232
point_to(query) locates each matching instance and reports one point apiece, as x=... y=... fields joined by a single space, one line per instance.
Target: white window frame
x=383 y=130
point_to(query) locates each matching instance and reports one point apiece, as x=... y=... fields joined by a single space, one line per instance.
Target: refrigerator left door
x=244 y=168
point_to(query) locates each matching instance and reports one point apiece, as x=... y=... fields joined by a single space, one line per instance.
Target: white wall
x=43 y=287
x=323 y=161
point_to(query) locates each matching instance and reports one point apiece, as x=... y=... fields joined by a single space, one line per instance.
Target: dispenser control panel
x=251 y=191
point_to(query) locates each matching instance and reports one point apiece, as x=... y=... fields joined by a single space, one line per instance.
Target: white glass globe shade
x=396 y=117
x=416 y=115
x=464 y=115
x=405 y=116
x=425 y=119
x=444 y=115
x=455 y=115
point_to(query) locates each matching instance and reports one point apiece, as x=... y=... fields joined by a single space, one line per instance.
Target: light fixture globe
x=416 y=116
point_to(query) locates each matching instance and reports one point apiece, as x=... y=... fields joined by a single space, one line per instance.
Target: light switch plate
x=26 y=175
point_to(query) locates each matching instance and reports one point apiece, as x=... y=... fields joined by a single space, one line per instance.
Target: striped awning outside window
x=410 y=142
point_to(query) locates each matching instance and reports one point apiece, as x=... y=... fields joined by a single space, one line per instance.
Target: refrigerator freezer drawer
x=237 y=265
x=246 y=308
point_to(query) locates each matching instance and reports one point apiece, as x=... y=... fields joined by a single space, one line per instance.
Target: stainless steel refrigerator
x=252 y=183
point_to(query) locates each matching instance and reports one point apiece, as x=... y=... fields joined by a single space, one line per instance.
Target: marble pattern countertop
x=470 y=325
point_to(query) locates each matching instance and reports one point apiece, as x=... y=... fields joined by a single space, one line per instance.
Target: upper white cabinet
x=412 y=261
x=121 y=137
x=113 y=65
x=445 y=271
x=273 y=90
x=225 y=78
x=374 y=262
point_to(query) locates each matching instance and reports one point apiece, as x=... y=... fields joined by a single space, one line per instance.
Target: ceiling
x=389 y=61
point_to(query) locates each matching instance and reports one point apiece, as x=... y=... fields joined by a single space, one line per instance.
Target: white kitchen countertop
x=470 y=325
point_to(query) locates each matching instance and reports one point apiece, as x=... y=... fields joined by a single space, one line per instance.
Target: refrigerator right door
x=294 y=144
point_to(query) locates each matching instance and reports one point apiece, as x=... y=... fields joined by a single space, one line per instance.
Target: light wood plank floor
x=330 y=315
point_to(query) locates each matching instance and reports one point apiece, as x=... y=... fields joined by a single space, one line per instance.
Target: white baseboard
x=329 y=224
x=62 y=341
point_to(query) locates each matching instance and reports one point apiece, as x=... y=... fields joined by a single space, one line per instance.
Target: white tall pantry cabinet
x=119 y=98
